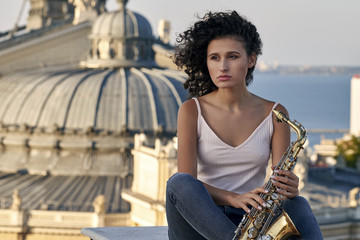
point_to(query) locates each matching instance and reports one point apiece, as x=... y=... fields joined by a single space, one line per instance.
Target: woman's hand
x=287 y=183
x=246 y=200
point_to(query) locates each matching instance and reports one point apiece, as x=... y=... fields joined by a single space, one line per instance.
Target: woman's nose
x=224 y=66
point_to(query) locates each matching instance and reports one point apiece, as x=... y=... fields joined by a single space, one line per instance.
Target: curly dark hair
x=191 y=50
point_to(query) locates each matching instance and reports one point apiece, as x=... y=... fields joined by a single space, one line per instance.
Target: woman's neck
x=232 y=99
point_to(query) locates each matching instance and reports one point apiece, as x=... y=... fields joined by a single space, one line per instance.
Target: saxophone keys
x=267 y=237
x=269 y=203
x=252 y=233
x=274 y=196
x=258 y=223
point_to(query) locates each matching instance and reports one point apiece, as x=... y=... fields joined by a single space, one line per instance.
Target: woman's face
x=228 y=62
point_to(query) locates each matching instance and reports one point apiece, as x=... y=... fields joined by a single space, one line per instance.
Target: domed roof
x=70 y=121
x=119 y=24
x=131 y=99
x=121 y=39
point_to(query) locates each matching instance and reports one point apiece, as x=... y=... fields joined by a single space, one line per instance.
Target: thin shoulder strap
x=198 y=117
x=273 y=118
x=197 y=105
x=275 y=105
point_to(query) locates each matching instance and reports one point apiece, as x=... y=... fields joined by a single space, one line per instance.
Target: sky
x=294 y=32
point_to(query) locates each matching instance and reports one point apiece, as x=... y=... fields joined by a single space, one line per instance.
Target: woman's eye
x=232 y=56
x=214 y=57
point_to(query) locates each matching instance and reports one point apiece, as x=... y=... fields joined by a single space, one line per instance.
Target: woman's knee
x=298 y=205
x=178 y=181
x=299 y=201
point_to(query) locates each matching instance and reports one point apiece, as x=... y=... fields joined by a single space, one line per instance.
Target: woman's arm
x=287 y=181
x=187 y=138
x=187 y=161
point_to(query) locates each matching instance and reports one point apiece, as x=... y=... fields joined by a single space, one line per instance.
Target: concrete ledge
x=129 y=233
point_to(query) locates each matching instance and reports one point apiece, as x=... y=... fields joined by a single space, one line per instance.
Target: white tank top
x=237 y=169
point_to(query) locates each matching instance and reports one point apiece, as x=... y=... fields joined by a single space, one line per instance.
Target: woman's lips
x=223 y=77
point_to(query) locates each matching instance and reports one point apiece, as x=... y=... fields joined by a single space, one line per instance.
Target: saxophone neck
x=298 y=128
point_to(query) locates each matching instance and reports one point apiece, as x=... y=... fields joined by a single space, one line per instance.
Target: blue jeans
x=192 y=214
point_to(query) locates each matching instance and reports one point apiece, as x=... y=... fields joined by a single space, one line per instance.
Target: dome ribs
x=150 y=97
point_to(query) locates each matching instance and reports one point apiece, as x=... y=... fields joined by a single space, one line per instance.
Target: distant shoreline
x=319 y=130
x=308 y=70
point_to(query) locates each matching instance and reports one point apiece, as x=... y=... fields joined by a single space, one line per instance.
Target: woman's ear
x=252 y=60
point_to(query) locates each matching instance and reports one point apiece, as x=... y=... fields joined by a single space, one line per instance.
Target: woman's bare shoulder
x=188 y=108
x=269 y=105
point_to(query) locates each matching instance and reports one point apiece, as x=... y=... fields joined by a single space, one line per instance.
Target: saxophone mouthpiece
x=276 y=112
x=279 y=115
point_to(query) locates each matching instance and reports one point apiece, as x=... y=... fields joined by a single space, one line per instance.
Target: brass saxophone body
x=260 y=224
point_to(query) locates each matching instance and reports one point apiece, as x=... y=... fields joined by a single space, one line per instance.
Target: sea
x=321 y=103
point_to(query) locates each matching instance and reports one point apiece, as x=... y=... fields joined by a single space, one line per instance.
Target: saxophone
x=260 y=224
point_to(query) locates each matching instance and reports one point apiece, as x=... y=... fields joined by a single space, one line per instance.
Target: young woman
x=226 y=135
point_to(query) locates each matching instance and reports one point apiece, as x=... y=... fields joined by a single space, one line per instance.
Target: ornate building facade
x=76 y=85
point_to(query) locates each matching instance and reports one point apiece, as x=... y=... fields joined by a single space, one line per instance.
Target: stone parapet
x=56 y=222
